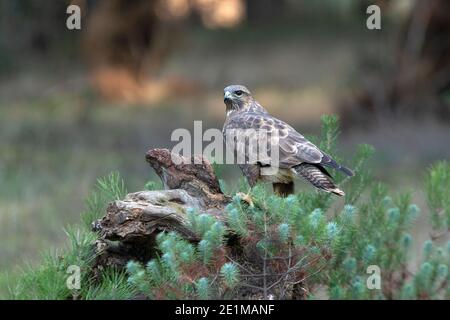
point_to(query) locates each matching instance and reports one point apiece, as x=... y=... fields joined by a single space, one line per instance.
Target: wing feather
x=294 y=148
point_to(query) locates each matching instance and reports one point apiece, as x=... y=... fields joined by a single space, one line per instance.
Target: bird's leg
x=283 y=189
x=251 y=173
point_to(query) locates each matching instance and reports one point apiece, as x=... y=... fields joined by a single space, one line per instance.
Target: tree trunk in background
x=259 y=11
x=125 y=44
x=418 y=84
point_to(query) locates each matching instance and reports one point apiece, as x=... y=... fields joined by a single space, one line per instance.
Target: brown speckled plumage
x=318 y=178
x=297 y=155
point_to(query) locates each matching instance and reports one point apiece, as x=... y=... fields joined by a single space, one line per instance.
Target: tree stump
x=130 y=226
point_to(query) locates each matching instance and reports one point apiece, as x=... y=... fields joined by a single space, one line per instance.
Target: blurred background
x=78 y=104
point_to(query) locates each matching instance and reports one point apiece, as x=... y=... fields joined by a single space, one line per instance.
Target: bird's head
x=237 y=97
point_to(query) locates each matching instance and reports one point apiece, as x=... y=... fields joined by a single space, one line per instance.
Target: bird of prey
x=297 y=155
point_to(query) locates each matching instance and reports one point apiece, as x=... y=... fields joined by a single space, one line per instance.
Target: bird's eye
x=238 y=93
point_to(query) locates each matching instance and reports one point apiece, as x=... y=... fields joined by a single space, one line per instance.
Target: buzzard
x=296 y=155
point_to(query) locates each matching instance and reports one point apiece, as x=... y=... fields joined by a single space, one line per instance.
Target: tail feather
x=315 y=175
x=330 y=162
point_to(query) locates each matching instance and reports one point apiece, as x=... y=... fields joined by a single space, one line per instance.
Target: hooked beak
x=227 y=96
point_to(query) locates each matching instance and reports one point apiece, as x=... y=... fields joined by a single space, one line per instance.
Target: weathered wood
x=195 y=175
x=129 y=228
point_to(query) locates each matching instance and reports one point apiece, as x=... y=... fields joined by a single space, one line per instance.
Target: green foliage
x=324 y=244
x=356 y=185
x=437 y=188
x=203 y=288
x=309 y=238
x=107 y=189
x=114 y=285
x=271 y=229
x=185 y=270
x=48 y=281
x=432 y=279
x=330 y=133
x=230 y=274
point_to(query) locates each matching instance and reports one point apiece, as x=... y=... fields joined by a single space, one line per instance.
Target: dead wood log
x=130 y=226
x=194 y=175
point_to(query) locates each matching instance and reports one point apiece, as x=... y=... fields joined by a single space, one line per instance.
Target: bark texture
x=130 y=226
